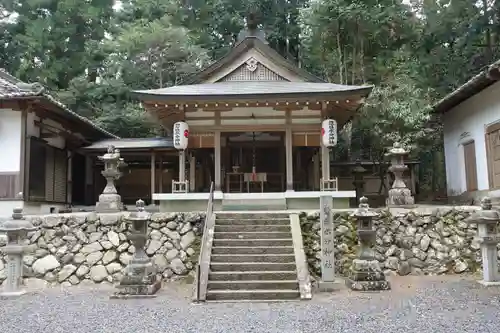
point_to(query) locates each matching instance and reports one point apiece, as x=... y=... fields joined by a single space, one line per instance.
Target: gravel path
x=416 y=304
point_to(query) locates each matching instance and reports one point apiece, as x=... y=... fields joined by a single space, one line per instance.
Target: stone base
x=367 y=285
x=400 y=197
x=12 y=294
x=489 y=283
x=329 y=286
x=137 y=291
x=366 y=275
x=109 y=203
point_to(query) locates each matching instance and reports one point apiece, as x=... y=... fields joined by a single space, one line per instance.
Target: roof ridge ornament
x=252 y=28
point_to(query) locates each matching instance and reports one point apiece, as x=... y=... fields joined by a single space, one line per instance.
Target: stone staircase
x=252 y=258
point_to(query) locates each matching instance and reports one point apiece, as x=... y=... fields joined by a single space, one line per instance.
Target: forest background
x=92 y=53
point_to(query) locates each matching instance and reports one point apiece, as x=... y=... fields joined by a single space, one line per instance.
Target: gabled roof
x=12 y=88
x=250 y=42
x=475 y=85
x=254 y=90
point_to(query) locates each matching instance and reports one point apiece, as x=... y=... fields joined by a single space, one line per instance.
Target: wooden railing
x=203 y=266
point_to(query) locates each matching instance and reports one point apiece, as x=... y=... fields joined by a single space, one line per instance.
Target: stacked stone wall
x=70 y=248
x=415 y=241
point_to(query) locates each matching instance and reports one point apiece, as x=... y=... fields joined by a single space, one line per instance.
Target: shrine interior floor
x=450 y=304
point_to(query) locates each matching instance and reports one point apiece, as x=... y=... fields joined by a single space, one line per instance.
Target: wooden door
x=470 y=166
x=493 y=155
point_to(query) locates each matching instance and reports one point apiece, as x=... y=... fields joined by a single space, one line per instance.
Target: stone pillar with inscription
x=140 y=279
x=399 y=194
x=328 y=281
x=366 y=274
x=487 y=228
x=110 y=201
x=16 y=231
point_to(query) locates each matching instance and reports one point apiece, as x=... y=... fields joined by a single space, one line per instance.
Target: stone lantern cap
x=18 y=223
x=397 y=149
x=364 y=210
x=140 y=214
x=486 y=215
x=358 y=168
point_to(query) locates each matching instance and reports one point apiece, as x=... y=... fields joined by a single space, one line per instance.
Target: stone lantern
x=140 y=279
x=366 y=274
x=110 y=201
x=358 y=171
x=399 y=194
x=16 y=231
x=487 y=227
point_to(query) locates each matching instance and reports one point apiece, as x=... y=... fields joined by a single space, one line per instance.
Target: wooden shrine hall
x=253 y=125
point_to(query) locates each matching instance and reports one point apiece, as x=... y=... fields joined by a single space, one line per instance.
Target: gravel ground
x=415 y=304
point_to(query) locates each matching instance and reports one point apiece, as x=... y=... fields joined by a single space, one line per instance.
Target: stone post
x=487 y=228
x=110 y=201
x=140 y=279
x=399 y=194
x=366 y=274
x=16 y=230
x=358 y=182
x=328 y=281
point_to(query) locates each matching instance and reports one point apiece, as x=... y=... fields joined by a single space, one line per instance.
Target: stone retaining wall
x=70 y=248
x=416 y=242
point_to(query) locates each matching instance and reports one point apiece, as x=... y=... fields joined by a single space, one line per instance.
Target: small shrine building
x=254 y=120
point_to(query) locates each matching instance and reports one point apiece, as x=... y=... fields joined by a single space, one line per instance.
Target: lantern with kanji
x=329 y=133
x=181 y=135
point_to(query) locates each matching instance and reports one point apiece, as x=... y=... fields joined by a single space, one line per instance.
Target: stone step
x=252 y=228
x=252 y=250
x=253 y=204
x=237 y=258
x=251 y=266
x=252 y=235
x=251 y=221
x=253 y=242
x=254 y=284
x=254 y=216
x=250 y=275
x=255 y=295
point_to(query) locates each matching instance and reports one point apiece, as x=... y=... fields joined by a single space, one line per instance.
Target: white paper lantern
x=181 y=135
x=329 y=133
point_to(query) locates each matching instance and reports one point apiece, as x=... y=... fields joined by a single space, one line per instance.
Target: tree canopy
x=92 y=53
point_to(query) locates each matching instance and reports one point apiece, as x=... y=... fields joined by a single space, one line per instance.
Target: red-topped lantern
x=181 y=135
x=329 y=133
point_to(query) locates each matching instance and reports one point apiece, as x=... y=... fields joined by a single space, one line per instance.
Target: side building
x=471 y=126
x=40 y=141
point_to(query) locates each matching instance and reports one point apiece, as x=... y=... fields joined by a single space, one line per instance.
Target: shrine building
x=251 y=124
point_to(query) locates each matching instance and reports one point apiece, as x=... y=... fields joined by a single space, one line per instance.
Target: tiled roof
x=475 y=85
x=12 y=88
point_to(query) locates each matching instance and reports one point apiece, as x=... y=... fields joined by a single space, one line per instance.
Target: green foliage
x=92 y=55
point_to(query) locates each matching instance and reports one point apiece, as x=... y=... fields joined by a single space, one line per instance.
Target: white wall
x=10 y=140
x=462 y=124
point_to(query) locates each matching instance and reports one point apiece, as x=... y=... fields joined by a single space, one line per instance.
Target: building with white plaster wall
x=471 y=130
x=40 y=141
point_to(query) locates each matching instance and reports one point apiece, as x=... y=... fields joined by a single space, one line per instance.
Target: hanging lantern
x=181 y=135
x=329 y=133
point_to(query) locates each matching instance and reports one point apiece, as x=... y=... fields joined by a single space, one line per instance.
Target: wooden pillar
x=153 y=164
x=325 y=163
x=192 y=173
x=316 y=171
x=289 y=153
x=160 y=175
x=89 y=180
x=182 y=165
x=217 y=160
